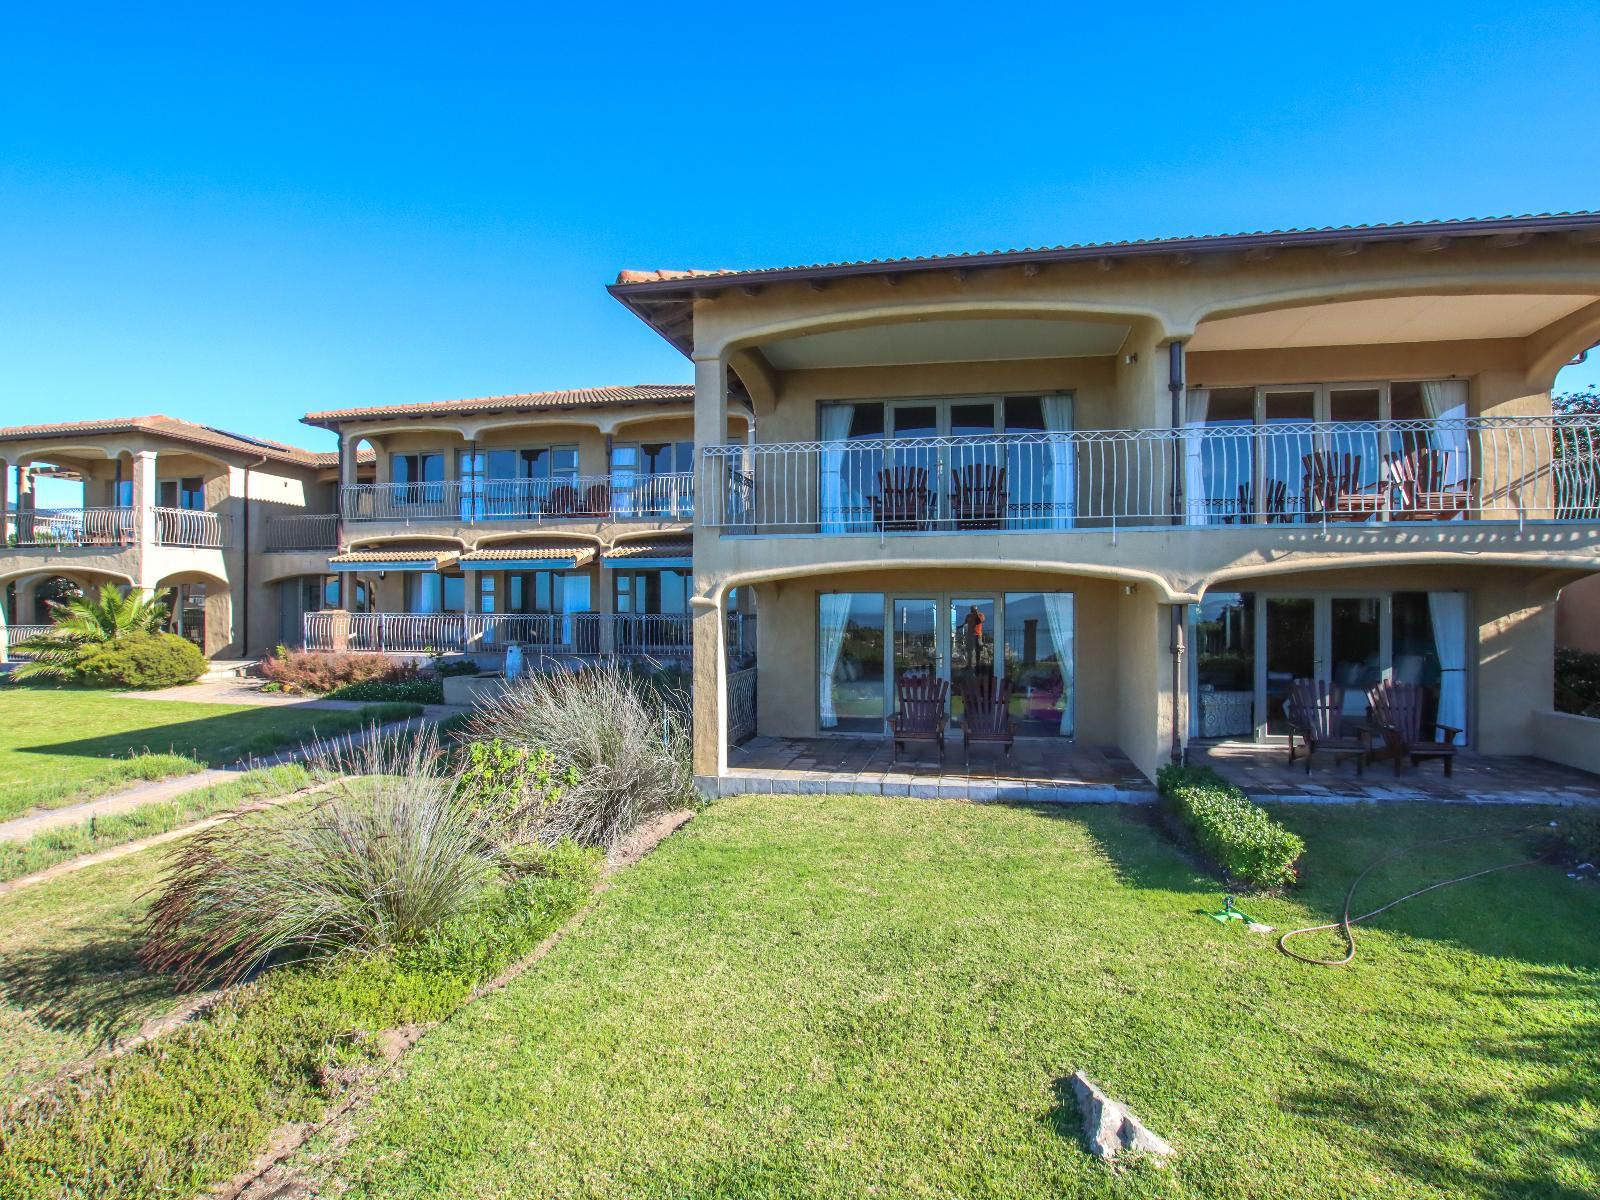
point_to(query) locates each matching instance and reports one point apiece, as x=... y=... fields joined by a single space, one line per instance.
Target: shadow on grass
x=97 y=987
x=216 y=741
x=1496 y=1139
x=1141 y=855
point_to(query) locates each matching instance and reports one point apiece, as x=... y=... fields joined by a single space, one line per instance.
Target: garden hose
x=1344 y=923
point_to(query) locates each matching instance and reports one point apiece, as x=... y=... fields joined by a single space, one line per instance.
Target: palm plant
x=85 y=622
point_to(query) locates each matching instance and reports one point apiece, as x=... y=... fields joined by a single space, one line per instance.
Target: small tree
x=88 y=622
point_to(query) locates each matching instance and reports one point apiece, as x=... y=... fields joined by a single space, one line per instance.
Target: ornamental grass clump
x=389 y=855
x=608 y=750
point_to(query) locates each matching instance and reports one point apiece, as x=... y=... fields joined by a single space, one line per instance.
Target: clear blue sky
x=237 y=216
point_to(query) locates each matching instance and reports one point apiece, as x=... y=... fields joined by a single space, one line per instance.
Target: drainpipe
x=244 y=575
x=1175 y=389
x=1178 y=706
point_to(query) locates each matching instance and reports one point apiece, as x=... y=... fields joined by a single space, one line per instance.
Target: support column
x=25 y=505
x=5 y=512
x=605 y=603
x=710 y=690
x=144 y=509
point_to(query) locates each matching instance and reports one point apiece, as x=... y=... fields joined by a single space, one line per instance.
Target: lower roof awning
x=554 y=555
x=666 y=554
x=380 y=559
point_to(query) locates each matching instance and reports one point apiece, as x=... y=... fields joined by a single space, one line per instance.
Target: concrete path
x=21 y=828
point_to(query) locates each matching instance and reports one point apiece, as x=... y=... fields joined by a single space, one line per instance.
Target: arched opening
x=200 y=608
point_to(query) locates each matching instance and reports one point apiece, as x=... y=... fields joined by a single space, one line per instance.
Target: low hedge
x=178 y=1114
x=320 y=671
x=404 y=691
x=141 y=661
x=1238 y=836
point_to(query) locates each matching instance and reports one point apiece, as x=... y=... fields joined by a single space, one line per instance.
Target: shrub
x=617 y=743
x=461 y=666
x=141 y=661
x=1578 y=683
x=1238 y=836
x=403 y=691
x=390 y=855
x=318 y=671
x=82 y=624
x=1581 y=832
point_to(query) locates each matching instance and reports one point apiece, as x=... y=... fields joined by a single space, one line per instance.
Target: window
x=548 y=592
x=850 y=662
x=643 y=592
x=421 y=477
x=1039 y=637
x=430 y=592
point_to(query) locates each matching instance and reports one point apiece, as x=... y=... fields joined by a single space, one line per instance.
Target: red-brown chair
x=1422 y=485
x=978 y=496
x=904 y=500
x=921 y=712
x=562 y=501
x=1333 y=488
x=986 y=714
x=1397 y=716
x=1316 y=717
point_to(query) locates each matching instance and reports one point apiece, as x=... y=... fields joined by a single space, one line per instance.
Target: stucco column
x=710 y=690
x=144 y=502
x=5 y=511
x=605 y=603
x=25 y=503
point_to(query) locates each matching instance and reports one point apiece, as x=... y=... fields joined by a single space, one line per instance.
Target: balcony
x=646 y=635
x=191 y=527
x=72 y=527
x=667 y=497
x=1479 y=469
x=313 y=531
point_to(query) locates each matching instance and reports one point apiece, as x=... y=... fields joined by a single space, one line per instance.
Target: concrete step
x=229 y=668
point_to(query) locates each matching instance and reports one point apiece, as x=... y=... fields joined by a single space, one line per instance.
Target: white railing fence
x=71 y=527
x=1486 y=468
x=314 y=531
x=444 y=633
x=658 y=635
x=741 y=704
x=21 y=633
x=191 y=527
x=668 y=497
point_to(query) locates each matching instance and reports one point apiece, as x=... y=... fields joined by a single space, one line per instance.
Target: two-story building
x=1150 y=483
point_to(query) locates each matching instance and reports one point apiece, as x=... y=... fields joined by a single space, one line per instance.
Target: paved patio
x=1264 y=773
x=1040 y=769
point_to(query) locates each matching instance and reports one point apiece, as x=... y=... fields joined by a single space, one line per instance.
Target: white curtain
x=1062 y=487
x=624 y=479
x=833 y=613
x=1446 y=402
x=1058 y=614
x=836 y=419
x=1194 y=462
x=1448 y=611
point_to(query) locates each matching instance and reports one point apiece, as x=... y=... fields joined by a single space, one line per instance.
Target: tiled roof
x=1210 y=241
x=330 y=458
x=381 y=555
x=674 y=547
x=597 y=397
x=168 y=427
x=518 y=552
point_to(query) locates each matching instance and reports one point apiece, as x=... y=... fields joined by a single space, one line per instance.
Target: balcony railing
x=653 y=635
x=191 y=527
x=316 y=531
x=1487 y=468
x=422 y=633
x=72 y=527
x=21 y=633
x=564 y=498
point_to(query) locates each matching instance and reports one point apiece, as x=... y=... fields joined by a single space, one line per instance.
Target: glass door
x=1340 y=640
x=1357 y=648
x=1289 y=630
x=915 y=627
x=972 y=641
x=912 y=491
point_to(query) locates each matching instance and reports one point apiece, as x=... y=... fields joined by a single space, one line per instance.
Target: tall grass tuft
x=391 y=854
x=617 y=742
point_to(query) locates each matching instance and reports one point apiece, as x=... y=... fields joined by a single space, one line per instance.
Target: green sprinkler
x=1230 y=913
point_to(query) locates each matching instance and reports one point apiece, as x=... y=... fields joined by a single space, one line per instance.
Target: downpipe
x=1176 y=648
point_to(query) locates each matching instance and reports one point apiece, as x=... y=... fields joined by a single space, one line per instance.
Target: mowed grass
x=815 y=996
x=59 y=746
x=69 y=969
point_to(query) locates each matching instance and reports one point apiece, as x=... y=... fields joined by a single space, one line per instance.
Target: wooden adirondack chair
x=1397 y=716
x=1316 y=715
x=1332 y=486
x=1274 y=503
x=978 y=496
x=904 y=500
x=562 y=501
x=986 y=714
x=920 y=714
x=1421 y=480
x=597 y=500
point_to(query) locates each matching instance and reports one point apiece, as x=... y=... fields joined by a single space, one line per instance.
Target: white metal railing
x=71 y=527
x=741 y=636
x=310 y=531
x=741 y=704
x=422 y=633
x=657 y=635
x=21 y=633
x=668 y=497
x=1484 y=468
x=190 y=527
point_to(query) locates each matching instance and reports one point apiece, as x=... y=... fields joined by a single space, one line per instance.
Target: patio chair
x=1397 y=717
x=597 y=500
x=978 y=496
x=986 y=714
x=562 y=501
x=904 y=500
x=1332 y=487
x=1316 y=716
x=1274 y=503
x=920 y=713
x=1421 y=482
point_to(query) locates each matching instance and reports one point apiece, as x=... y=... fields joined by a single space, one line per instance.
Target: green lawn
x=69 y=972
x=58 y=746
x=806 y=996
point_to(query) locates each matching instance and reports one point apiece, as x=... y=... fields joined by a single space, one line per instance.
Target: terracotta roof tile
x=169 y=427
x=517 y=552
x=597 y=397
x=672 y=547
x=381 y=555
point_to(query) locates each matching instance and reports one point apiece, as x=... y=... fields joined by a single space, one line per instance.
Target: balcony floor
x=1040 y=770
x=1263 y=772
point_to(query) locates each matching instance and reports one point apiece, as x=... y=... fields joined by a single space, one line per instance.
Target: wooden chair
x=978 y=496
x=1274 y=503
x=1421 y=482
x=920 y=713
x=562 y=501
x=1397 y=717
x=1316 y=715
x=1332 y=487
x=904 y=500
x=986 y=714
x=597 y=500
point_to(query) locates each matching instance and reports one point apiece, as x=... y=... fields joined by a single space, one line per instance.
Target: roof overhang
x=392 y=560
x=529 y=556
x=664 y=554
